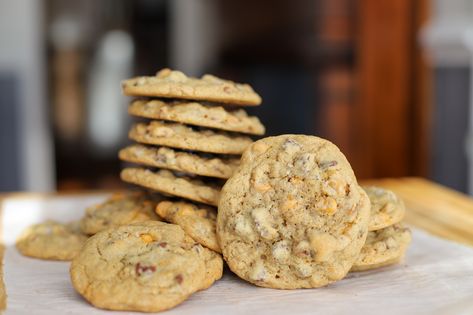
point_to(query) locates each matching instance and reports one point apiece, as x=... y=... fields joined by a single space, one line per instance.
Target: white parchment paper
x=435 y=278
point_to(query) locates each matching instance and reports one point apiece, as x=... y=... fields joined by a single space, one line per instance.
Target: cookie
x=198 y=114
x=386 y=207
x=292 y=215
x=383 y=247
x=197 y=221
x=184 y=137
x=119 y=209
x=175 y=84
x=163 y=157
x=51 y=240
x=166 y=182
x=148 y=266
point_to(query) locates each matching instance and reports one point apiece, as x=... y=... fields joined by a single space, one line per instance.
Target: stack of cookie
x=189 y=143
x=388 y=238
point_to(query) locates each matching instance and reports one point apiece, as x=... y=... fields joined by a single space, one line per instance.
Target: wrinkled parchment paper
x=435 y=278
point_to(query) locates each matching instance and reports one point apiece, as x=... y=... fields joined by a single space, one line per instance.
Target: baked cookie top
x=119 y=209
x=51 y=240
x=197 y=114
x=292 y=215
x=148 y=266
x=175 y=84
x=176 y=135
x=182 y=161
x=197 y=221
x=385 y=245
x=386 y=207
x=166 y=182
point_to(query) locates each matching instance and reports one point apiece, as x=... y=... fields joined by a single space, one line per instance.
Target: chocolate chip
x=179 y=278
x=163 y=244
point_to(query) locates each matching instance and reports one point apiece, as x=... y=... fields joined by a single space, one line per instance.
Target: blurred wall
x=26 y=156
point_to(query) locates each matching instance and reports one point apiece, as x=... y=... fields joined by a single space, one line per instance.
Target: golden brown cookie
x=386 y=207
x=383 y=247
x=184 y=137
x=119 y=209
x=198 y=114
x=181 y=161
x=292 y=215
x=175 y=84
x=51 y=240
x=148 y=266
x=197 y=221
x=166 y=182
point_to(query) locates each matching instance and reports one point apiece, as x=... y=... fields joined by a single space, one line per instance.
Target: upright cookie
x=386 y=207
x=198 y=114
x=175 y=84
x=197 y=221
x=149 y=266
x=181 y=161
x=51 y=240
x=166 y=182
x=383 y=247
x=119 y=209
x=292 y=215
x=183 y=137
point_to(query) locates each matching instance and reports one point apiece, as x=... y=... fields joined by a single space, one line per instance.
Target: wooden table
x=434 y=208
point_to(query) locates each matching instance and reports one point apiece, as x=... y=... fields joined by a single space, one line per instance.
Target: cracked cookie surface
x=292 y=215
x=386 y=207
x=198 y=221
x=182 y=161
x=197 y=114
x=119 y=209
x=176 y=135
x=175 y=84
x=383 y=247
x=148 y=266
x=166 y=182
x=52 y=240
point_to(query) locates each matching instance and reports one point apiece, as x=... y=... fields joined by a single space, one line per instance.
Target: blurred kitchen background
x=388 y=81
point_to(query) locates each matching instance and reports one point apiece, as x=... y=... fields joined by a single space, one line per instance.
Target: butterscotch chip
x=197 y=114
x=166 y=182
x=386 y=207
x=292 y=215
x=193 y=163
x=197 y=221
x=175 y=84
x=383 y=247
x=51 y=240
x=184 y=137
x=119 y=209
x=148 y=266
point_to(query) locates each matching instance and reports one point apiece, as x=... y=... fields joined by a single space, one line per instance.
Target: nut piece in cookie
x=119 y=209
x=51 y=240
x=198 y=221
x=292 y=215
x=149 y=266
